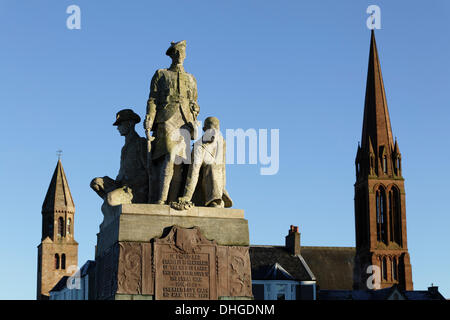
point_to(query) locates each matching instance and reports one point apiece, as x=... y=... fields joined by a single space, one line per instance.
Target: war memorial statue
x=168 y=230
x=208 y=163
x=172 y=109
x=131 y=184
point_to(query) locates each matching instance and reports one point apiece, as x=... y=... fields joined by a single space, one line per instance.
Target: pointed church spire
x=380 y=215
x=376 y=123
x=58 y=196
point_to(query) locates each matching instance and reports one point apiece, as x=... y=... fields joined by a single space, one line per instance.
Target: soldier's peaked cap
x=125 y=115
x=175 y=45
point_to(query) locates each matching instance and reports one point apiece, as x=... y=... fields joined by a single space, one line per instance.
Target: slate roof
x=61 y=284
x=424 y=295
x=276 y=263
x=85 y=269
x=382 y=294
x=332 y=266
x=58 y=197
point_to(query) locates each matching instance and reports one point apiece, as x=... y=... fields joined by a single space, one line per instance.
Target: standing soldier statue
x=172 y=111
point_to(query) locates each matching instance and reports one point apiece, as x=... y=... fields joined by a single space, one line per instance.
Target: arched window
x=69 y=223
x=381 y=215
x=384 y=164
x=63 y=261
x=56 y=261
x=391 y=213
x=394 y=269
x=384 y=269
x=60 y=226
x=396 y=217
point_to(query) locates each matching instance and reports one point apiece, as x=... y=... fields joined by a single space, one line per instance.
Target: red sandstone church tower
x=380 y=214
x=58 y=249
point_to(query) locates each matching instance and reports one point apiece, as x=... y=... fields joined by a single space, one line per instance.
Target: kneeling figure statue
x=208 y=166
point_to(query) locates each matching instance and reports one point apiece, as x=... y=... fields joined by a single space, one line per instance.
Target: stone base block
x=155 y=252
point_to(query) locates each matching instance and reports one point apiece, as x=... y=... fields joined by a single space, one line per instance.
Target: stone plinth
x=155 y=252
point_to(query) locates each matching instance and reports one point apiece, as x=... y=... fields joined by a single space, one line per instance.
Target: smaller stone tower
x=58 y=250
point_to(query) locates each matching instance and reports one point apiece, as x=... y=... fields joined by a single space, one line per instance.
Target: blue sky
x=296 y=66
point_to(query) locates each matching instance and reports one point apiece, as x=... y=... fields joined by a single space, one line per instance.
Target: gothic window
x=394 y=269
x=384 y=164
x=69 y=222
x=60 y=226
x=384 y=269
x=56 y=261
x=381 y=215
x=63 y=261
x=391 y=213
x=396 y=223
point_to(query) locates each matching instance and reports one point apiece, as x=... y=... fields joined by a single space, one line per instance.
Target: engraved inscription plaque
x=185 y=265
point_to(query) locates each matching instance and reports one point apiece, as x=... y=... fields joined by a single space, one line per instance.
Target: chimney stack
x=293 y=240
x=433 y=289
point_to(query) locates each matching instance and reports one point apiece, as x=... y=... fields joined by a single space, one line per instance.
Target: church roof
x=58 y=196
x=332 y=266
x=376 y=123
